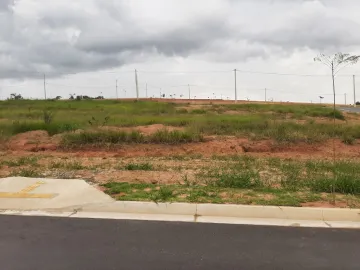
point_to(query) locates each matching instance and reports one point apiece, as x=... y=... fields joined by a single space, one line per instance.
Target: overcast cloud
x=62 y=37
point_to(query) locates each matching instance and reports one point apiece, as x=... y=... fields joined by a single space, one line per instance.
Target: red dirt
x=34 y=141
x=146 y=130
x=324 y=204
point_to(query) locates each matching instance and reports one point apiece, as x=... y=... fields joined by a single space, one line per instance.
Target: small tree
x=15 y=96
x=336 y=62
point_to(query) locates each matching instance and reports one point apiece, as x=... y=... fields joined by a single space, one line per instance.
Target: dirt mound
x=33 y=141
x=146 y=130
x=258 y=147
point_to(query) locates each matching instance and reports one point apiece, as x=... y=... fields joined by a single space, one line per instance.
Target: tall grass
x=52 y=128
x=25 y=115
x=296 y=109
x=280 y=174
x=107 y=137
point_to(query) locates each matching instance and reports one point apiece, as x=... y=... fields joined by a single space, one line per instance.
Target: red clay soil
x=36 y=141
x=324 y=204
x=146 y=130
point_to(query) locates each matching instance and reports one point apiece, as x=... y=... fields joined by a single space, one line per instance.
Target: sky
x=85 y=46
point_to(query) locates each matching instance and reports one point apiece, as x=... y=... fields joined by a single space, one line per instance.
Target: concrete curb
x=227 y=211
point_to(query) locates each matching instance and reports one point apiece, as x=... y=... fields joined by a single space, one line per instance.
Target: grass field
x=279 y=122
x=169 y=151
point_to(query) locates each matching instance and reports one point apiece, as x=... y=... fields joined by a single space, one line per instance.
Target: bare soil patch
x=34 y=141
x=146 y=130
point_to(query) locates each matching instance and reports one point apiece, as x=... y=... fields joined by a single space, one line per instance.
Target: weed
x=243 y=180
x=51 y=128
x=343 y=183
x=174 y=137
x=290 y=179
x=27 y=173
x=198 y=111
x=48 y=116
x=21 y=162
x=348 y=139
x=75 y=165
x=139 y=167
x=104 y=137
x=164 y=194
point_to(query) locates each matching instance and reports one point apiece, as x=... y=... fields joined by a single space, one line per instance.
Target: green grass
x=31 y=173
x=106 y=137
x=299 y=110
x=248 y=180
x=19 y=116
x=20 y=162
x=288 y=175
x=72 y=165
x=139 y=167
x=52 y=128
x=206 y=194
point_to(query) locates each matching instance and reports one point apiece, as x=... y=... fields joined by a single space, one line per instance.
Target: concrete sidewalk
x=17 y=193
x=76 y=198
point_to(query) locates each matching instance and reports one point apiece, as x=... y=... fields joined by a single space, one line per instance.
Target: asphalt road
x=350 y=109
x=37 y=243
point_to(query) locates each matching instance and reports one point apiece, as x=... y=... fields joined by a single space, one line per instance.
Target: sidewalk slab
x=76 y=198
x=65 y=193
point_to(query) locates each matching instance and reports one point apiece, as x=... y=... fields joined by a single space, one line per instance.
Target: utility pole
x=146 y=91
x=345 y=98
x=137 y=85
x=160 y=92
x=235 y=87
x=45 y=86
x=117 y=96
x=354 y=91
x=189 y=91
x=265 y=94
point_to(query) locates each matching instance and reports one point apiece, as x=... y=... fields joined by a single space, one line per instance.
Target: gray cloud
x=86 y=35
x=324 y=33
x=6 y=4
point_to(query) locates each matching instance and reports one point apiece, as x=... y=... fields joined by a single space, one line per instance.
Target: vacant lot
x=278 y=154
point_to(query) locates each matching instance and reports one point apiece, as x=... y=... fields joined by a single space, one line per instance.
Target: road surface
x=350 y=109
x=40 y=243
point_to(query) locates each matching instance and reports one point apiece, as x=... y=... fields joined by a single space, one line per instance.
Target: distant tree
x=58 y=97
x=15 y=96
x=336 y=62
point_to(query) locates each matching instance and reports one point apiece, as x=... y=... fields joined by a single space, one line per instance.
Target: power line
x=185 y=72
